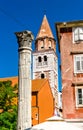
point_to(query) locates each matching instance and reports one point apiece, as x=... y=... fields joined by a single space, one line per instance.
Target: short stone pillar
x=24 y=80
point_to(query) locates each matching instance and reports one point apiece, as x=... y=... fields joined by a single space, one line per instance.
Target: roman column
x=24 y=79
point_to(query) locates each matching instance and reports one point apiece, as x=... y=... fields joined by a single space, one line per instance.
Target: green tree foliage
x=8 y=114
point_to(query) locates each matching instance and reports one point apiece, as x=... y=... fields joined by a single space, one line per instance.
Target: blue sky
x=19 y=15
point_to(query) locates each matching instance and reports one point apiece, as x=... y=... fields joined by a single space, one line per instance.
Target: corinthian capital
x=24 y=38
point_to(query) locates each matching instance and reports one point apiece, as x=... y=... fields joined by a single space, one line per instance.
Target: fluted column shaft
x=24 y=80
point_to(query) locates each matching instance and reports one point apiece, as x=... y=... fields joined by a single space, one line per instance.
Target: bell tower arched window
x=42 y=76
x=42 y=44
x=45 y=60
x=39 y=60
x=50 y=42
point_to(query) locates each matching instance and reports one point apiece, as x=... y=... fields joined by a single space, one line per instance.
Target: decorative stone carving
x=24 y=38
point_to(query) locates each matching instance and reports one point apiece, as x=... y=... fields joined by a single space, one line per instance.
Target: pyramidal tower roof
x=45 y=30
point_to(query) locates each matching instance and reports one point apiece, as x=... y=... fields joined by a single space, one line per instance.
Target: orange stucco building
x=42 y=99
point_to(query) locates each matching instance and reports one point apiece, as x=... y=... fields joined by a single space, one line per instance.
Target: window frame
x=78 y=63
x=77 y=98
x=77 y=34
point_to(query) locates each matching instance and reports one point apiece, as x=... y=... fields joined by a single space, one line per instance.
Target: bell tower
x=44 y=57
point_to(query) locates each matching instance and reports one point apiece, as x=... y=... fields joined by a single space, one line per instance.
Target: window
x=42 y=44
x=49 y=43
x=42 y=76
x=79 y=97
x=77 y=34
x=78 y=64
x=39 y=60
x=45 y=60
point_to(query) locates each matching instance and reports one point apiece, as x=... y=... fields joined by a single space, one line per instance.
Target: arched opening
x=42 y=76
x=50 y=43
x=39 y=59
x=45 y=58
x=42 y=44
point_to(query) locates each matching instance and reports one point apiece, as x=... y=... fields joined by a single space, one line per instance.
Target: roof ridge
x=43 y=82
x=38 y=83
x=9 y=77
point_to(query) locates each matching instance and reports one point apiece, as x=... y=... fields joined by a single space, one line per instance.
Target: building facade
x=42 y=103
x=45 y=59
x=70 y=41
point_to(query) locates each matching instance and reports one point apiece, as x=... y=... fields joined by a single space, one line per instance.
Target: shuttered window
x=78 y=64
x=77 y=34
x=80 y=96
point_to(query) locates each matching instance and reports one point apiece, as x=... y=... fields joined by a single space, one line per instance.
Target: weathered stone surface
x=24 y=80
x=24 y=38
